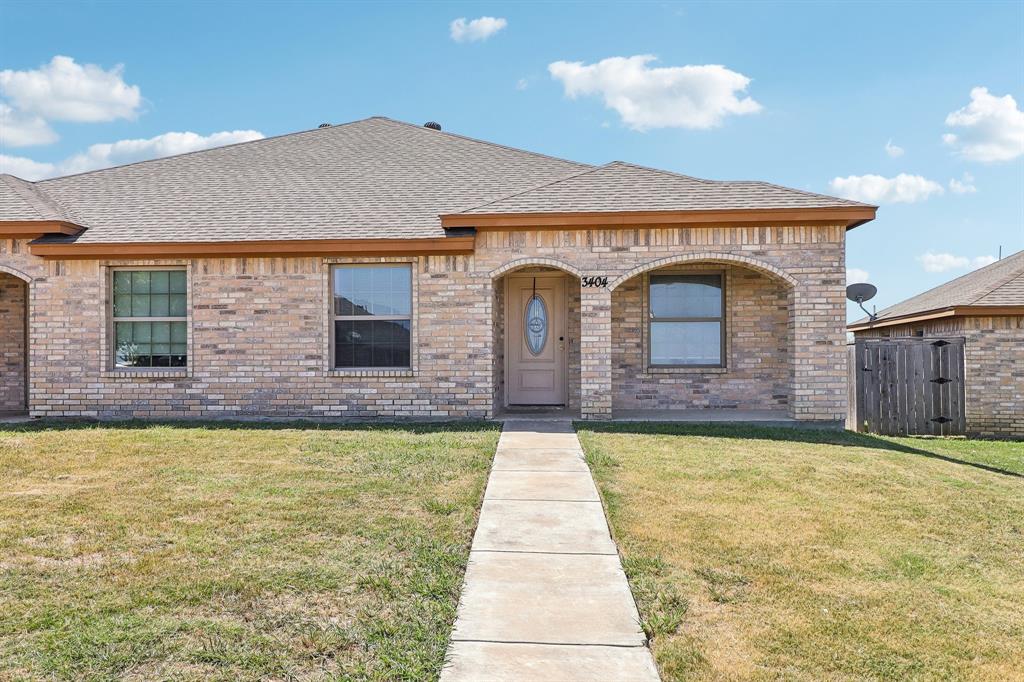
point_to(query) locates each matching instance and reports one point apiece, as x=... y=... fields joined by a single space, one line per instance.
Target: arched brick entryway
x=13 y=343
x=508 y=282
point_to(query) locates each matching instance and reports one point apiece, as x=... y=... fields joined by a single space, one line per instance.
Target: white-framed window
x=149 y=317
x=687 y=320
x=371 y=316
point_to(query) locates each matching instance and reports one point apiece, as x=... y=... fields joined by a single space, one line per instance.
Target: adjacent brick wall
x=259 y=328
x=13 y=372
x=993 y=364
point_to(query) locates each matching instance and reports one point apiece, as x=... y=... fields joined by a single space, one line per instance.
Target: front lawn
x=228 y=551
x=775 y=553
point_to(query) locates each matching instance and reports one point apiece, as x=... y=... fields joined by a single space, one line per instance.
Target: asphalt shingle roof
x=374 y=178
x=22 y=200
x=626 y=187
x=371 y=179
x=998 y=284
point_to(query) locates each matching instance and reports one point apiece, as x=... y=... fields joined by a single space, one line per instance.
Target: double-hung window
x=150 y=318
x=372 y=316
x=687 y=320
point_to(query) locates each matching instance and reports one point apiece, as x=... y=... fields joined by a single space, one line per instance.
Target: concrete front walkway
x=545 y=597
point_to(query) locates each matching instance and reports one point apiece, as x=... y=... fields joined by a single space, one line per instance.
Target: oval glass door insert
x=535 y=325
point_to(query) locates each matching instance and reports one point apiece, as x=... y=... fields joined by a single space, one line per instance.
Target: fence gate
x=912 y=386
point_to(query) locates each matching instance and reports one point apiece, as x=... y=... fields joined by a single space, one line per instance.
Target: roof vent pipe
x=324 y=125
x=432 y=125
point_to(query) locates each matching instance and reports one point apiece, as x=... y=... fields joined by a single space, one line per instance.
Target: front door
x=535 y=312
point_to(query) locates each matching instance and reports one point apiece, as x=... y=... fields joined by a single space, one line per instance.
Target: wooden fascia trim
x=31 y=229
x=268 y=248
x=990 y=310
x=849 y=216
x=955 y=311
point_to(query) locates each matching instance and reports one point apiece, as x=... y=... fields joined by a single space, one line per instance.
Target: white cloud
x=26 y=169
x=522 y=84
x=964 y=185
x=856 y=275
x=876 y=189
x=124 y=151
x=463 y=31
x=892 y=150
x=660 y=97
x=991 y=128
x=65 y=91
x=18 y=129
x=943 y=262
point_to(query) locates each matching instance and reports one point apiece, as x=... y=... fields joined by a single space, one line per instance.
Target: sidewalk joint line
x=528 y=642
x=534 y=499
x=539 y=551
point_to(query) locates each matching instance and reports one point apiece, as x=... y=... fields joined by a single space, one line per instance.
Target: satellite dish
x=861 y=292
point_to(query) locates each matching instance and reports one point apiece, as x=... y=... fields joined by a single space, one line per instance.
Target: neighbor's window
x=687 y=320
x=149 y=315
x=372 y=316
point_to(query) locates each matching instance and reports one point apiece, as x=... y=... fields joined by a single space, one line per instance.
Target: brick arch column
x=596 y=353
x=817 y=344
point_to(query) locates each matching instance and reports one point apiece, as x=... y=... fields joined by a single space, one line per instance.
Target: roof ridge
x=760 y=183
x=316 y=130
x=485 y=142
x=535 y=187
x=211 y=149
x=667 y=172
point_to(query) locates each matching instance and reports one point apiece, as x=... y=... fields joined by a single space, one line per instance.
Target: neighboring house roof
x=369 y=180
x=994 y=289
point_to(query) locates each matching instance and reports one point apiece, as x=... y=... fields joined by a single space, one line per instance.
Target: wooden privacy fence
x=907 y=386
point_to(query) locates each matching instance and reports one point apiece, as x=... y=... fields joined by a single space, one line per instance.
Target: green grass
x=229 y=551
x=758 y=553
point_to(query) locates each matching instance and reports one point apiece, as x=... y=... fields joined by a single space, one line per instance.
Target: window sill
x=371 y=372
x=686 y=370
x=147 y=373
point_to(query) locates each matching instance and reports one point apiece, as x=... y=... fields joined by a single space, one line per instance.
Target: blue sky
x=830 y=84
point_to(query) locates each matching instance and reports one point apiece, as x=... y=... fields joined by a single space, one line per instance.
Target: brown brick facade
x=993 y=364
x=259 y=330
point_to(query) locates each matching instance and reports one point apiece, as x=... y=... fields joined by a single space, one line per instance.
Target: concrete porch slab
x=567 y=486
x=537 y=459
x=545 y=526
x=547 y=599
x=501 y=662
x=540 y=413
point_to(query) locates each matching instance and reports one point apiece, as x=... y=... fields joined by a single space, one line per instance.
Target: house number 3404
x=595 y=281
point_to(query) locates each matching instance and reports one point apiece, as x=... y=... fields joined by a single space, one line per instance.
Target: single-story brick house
x=378 y=268
x=986 y=309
